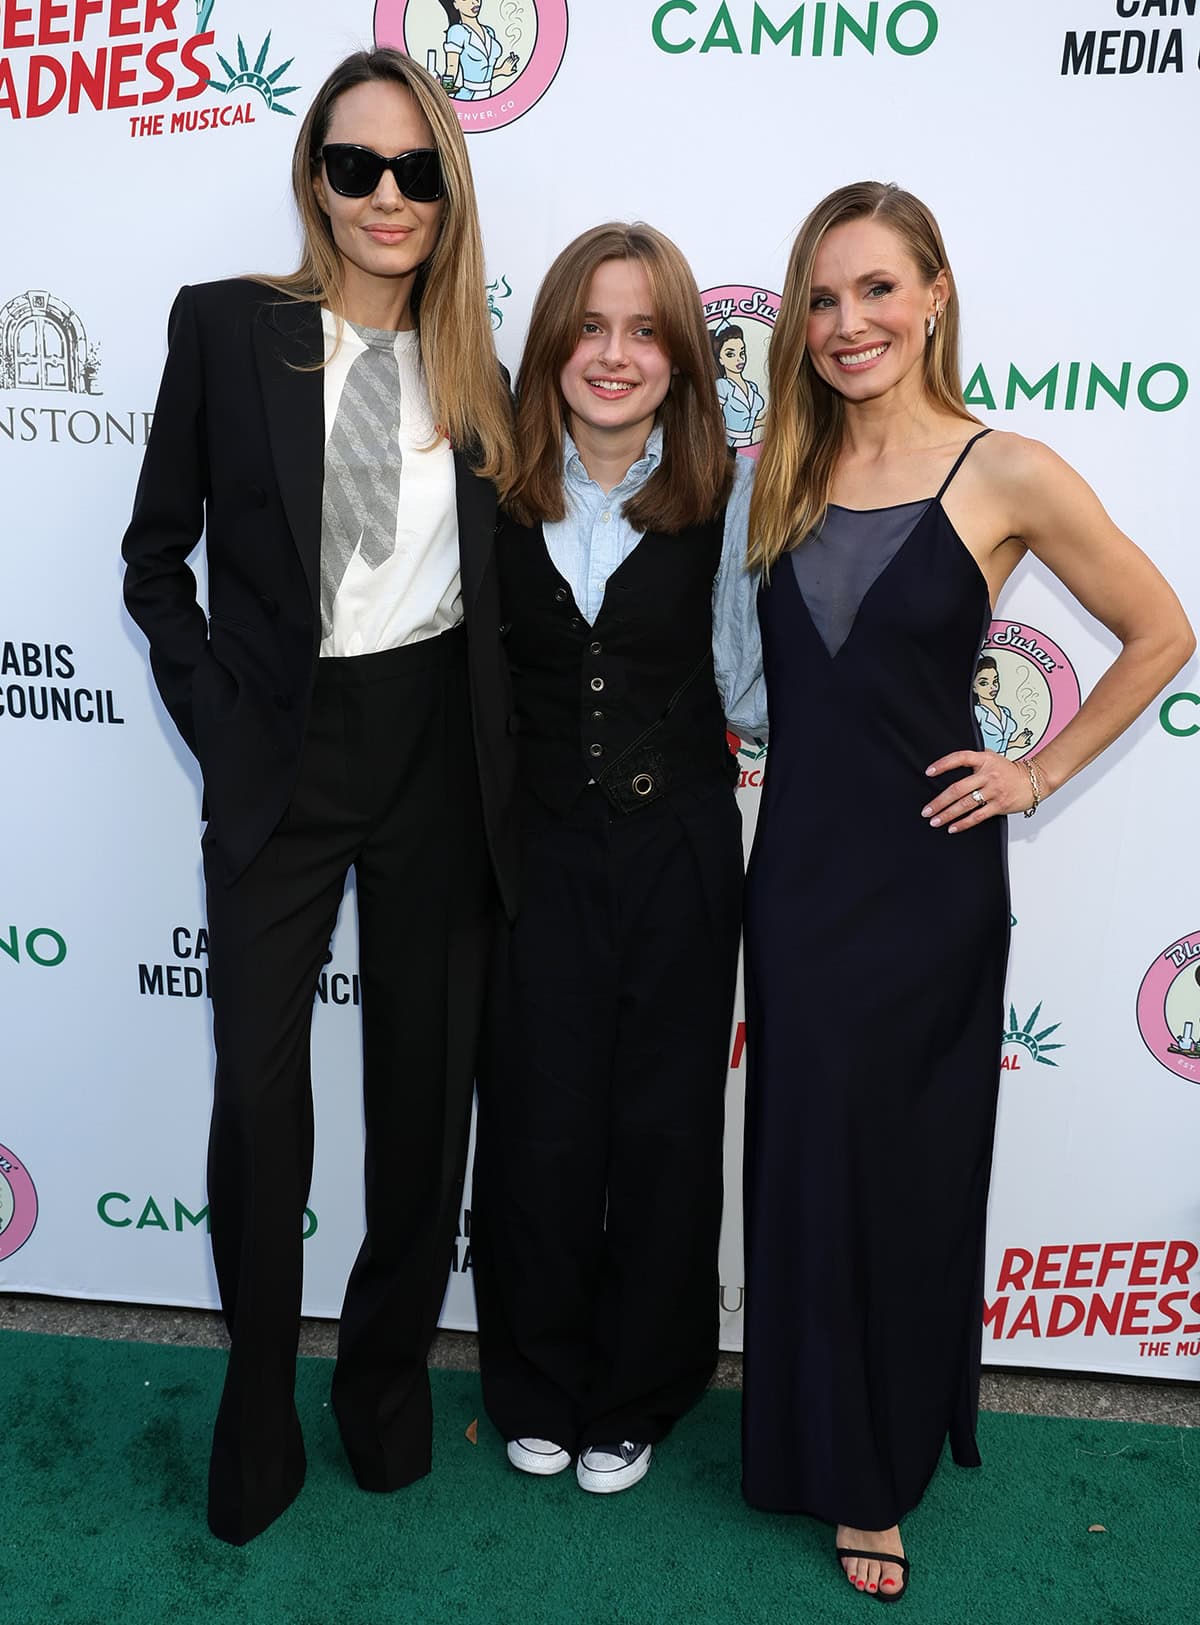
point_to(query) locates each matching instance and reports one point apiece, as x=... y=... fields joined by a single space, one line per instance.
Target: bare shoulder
x=1016 y=461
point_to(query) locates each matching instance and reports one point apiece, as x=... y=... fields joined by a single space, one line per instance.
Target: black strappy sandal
x=877 y=1557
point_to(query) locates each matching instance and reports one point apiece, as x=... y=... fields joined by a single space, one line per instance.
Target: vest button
x=597 y=684
x=597 y=716
x=595 y=750
x=643 y=784
x=595 y=648
x=561 y=596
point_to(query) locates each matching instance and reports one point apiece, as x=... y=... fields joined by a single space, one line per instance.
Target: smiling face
x=383 y=238
x=618 y=375
x=868 y=310
x=732 y=356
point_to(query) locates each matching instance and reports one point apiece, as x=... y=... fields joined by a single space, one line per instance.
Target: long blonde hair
x=692 y=480
x=449 y=299
x=802 y=433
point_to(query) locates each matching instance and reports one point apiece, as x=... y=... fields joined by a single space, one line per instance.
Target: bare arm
x=1055 y=513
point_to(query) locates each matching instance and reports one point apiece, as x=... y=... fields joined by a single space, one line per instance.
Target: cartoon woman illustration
x=996 y=722
x=473 y=50
x=741 y=399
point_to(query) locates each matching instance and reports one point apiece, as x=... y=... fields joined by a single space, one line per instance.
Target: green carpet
x=102 y=1520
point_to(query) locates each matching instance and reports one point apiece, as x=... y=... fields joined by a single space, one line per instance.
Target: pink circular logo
x=1168 y=1008
x=740 y=321
x=495 y=58
x=18 y=1204
x=1025 y=690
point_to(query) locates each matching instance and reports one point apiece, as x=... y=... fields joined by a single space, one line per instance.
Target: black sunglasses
x=357 y=171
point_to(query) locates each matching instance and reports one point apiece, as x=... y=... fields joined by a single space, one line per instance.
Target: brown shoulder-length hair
x=693 y=478
x=449 y=300
x=802 y=432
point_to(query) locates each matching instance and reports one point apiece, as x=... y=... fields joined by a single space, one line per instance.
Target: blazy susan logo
x=740 y=321
x=1168 y=1008
x=1028 y=1041
x=18 y=1204
x=1025 y=689
x=495 y=58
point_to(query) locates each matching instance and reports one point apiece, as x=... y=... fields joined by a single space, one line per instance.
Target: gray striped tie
x=362 y=469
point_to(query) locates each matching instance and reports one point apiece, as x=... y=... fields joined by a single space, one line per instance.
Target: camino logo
x=18 y=1204
x=495 y=58
x=1027 y=1041
x=1177 y=715
x=1025 y=690
x=740 y=320
x=1073 y=386
x=44 y=345
x=1168 y=1008
x=735 y=26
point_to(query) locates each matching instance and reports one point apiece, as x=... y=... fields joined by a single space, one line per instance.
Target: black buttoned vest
x=630 y=702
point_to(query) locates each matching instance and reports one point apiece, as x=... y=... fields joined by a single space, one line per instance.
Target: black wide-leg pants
x=387 y=786
x=597 y=1193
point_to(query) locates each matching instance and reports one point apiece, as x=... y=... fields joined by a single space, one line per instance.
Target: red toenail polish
x=889 y=1582
x=860 y=1585
x=871 y=1587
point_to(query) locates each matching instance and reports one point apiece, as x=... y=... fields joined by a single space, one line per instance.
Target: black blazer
x=237 y=451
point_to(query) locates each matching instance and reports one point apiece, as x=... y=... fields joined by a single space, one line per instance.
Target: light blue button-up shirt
x=594 y=539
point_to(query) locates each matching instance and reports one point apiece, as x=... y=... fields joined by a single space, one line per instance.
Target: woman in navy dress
x=877 y=912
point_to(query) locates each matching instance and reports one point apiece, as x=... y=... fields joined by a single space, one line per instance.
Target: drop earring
x=933 y=319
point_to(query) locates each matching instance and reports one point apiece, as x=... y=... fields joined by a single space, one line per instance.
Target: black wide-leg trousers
x=387 y=786
x=597 y=1192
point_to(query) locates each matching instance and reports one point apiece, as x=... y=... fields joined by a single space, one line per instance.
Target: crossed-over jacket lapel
x=289 y=347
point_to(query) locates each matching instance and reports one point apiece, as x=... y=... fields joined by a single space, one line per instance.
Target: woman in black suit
x=339 y=435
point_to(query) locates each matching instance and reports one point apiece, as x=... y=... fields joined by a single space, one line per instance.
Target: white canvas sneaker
x=604 y=1468
x=541 y=1456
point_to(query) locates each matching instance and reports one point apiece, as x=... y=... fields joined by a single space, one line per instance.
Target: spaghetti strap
x=958 y=462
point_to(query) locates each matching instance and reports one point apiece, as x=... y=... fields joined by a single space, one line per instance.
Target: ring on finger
x=978 y=797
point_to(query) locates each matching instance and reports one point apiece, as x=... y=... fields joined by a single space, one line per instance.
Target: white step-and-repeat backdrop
x=146 y=143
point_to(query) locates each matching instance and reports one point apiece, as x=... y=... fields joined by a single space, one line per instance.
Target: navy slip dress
x=876 y=950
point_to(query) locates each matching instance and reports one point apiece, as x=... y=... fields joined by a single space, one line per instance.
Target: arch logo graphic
x=740 y=321
x=18 y=1204
x=1168 y=1008
x=44 y=345
x=1025 y=690
x=495 y=58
